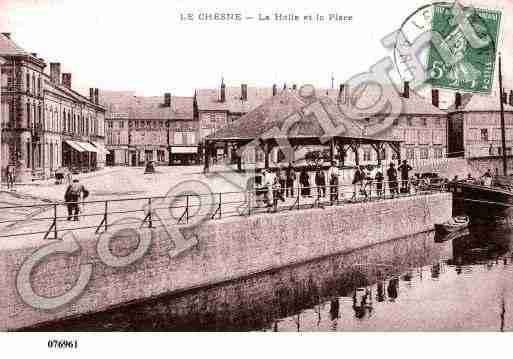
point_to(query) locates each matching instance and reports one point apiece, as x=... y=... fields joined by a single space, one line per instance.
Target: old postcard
x=272 y=166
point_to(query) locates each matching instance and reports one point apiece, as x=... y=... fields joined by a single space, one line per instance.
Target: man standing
x=11 y=172
x=333 y=180
x=72 y=196
x=405 y=169
x=291 y=178
x=392 y=179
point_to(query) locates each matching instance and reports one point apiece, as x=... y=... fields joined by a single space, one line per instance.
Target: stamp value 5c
x=463 y=48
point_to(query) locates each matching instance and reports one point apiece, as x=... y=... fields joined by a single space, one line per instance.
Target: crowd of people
x=270 y=188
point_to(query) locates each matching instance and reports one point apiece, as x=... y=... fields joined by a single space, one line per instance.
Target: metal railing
x=52 y=219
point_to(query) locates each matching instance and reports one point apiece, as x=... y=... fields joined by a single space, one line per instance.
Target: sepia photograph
x=170 y=169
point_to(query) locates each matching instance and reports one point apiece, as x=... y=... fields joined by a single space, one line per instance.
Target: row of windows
x=423 y=122
x=423 y=153
x=140 y=124
x=68 y=122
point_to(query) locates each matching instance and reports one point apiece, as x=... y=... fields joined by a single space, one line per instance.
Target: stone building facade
x=141 y=129
x=474 y=126
x=46 y=124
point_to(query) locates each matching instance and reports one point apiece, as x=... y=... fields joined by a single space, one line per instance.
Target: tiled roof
x=151 y=108
x=472 y=102
x=366 y=99
x=64 y=91
x=209 y=99
x=277 y=111
x=10 y=48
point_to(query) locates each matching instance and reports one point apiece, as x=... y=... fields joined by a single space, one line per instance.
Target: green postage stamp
x=463 y=48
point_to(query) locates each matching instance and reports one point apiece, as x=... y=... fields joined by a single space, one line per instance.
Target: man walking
x=73 y=193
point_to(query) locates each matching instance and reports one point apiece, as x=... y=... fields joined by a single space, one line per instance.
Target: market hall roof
x=285 y=110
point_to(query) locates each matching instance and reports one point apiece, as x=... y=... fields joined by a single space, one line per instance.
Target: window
x=121 y=124
x=29 y=112
x=167 y=123
x=161 y=124
x=130 y=124
x=396 y=122
x=191 y=138
x=27 y=80
x=148 y=124
x=424 y=122
x=484 y=134
x=39 y=86
x=410 y=153
x=366 y=154
x=409 y=121
x=437 y=151
x=178 y=138
x=438 y=122
x=424 y=153
x=33 y=84
x=383 y=154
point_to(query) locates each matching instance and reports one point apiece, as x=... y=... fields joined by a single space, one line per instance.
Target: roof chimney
x=511 y=98
x=96 y=96
x=223 y=91
x=457 y=100
x=91 y=94
x=167 y=99
x=7 y=34
x=406 y=92
x=275 y=90
x=66 y=79
x=55 y=72
x=435 y=98
x=244 y=92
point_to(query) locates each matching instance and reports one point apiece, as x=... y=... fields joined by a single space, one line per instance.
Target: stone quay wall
x=227 y=249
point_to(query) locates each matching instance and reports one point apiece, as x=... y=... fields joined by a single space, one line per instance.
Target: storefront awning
x=190 y=149
x=100 y=148
x=76 y=146
x=88 y=147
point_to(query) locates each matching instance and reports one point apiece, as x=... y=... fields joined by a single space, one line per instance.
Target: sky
x=143 y=46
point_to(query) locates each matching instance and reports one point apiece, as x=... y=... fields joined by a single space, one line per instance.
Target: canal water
x=408 y=284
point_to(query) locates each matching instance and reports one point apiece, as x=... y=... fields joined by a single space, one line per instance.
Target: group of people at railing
x=289 y=182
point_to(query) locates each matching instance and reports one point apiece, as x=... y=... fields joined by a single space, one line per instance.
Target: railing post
x=105 y=216
x=220 y=206
x=298 y=190
x=187 y=209
x=249 y=203
x=55 y=220
x=150 y=223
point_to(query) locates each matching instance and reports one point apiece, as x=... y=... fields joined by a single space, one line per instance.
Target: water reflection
x=407 y=284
